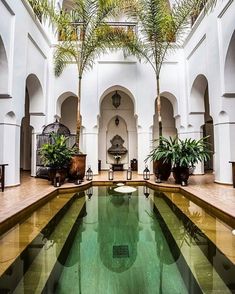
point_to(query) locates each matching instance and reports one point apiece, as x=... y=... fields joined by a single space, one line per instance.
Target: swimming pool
x=101 y=241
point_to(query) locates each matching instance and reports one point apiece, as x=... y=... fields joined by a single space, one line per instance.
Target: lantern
x=89 y=192
x=146 y=191
x=146 y=173
x=117 y=121
x=129 y=174
x=116 y=99
x=110 y=174
x=57 y=181
x=89 y=174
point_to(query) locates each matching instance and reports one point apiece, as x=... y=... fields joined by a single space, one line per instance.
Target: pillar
x=90 y=143
x=224 y=134
x=144 y=147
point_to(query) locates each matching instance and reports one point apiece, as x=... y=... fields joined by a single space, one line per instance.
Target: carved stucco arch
x=117 y=88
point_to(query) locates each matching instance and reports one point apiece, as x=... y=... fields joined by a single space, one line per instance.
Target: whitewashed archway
x=126 y=126
x=229 y=69
x=36 y=96
x=3 y=69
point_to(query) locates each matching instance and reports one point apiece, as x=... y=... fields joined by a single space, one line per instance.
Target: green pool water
x=121 y=244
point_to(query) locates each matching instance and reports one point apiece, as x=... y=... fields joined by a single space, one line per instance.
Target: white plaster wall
x=25 y=55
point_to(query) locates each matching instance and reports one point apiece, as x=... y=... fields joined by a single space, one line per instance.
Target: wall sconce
x=129 y=174
x=89 y=192
x=89 y=174
x=110 y=174
x=117 y=121
x=146 y=173
x=146 y=191
x=116 y=99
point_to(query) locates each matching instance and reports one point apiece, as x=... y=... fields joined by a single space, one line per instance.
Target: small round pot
x=181 y=175
x=162 y=170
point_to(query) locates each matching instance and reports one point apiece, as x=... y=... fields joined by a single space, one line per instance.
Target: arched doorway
x=168 y=120
x=200 y=103
x=69 y=113
x=117 y=119
x=3 y=70
x=229 y=69
x=208 y=131
x=33 y=105
x=25 y=137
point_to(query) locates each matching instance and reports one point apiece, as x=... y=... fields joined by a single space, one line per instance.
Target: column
x=37 y=121
x=10 y=152
x=144 y=147
x=90 y=141
x=224 y=134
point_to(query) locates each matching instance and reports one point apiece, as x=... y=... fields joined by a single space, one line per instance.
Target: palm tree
x=84 y=34
x=162 y=28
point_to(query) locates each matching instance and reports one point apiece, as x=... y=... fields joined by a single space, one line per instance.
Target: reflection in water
x=118 y=226
x=120 y=254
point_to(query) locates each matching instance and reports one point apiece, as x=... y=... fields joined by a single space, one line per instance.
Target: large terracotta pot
x=181 y=175
x=162 y=169
x=77 y=167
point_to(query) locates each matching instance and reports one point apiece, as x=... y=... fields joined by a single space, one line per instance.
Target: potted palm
x=84 y=34
x=56 y=156
x=161 y=30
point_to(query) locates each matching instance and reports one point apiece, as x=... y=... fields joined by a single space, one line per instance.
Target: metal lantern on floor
x=146 y=173
x=89 y=174
x=129 y=174
x=57 y=180
x=110 y=174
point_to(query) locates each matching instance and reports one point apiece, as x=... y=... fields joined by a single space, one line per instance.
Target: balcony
x=77 y=32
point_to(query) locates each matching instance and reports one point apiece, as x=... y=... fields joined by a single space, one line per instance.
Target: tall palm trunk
x=159 y=107
x=78 y=123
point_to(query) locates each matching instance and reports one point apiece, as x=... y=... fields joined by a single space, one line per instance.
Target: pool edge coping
x=22 y=212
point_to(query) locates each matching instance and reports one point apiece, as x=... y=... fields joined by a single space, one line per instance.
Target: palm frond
x=65 y=54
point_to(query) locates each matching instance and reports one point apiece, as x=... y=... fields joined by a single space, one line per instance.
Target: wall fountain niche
x=118 y=151
x=117 y=118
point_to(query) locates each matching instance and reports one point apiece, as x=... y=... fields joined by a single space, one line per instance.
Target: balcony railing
x=196 y=13
x=77 y=34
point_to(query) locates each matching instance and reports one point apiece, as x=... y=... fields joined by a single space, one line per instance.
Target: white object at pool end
x=125 y=189
x=120 y=184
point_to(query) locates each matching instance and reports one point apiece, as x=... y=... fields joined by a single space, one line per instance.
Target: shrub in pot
x=57 y=156
x=182 y=154
x=185 y=155
x=161 y=155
